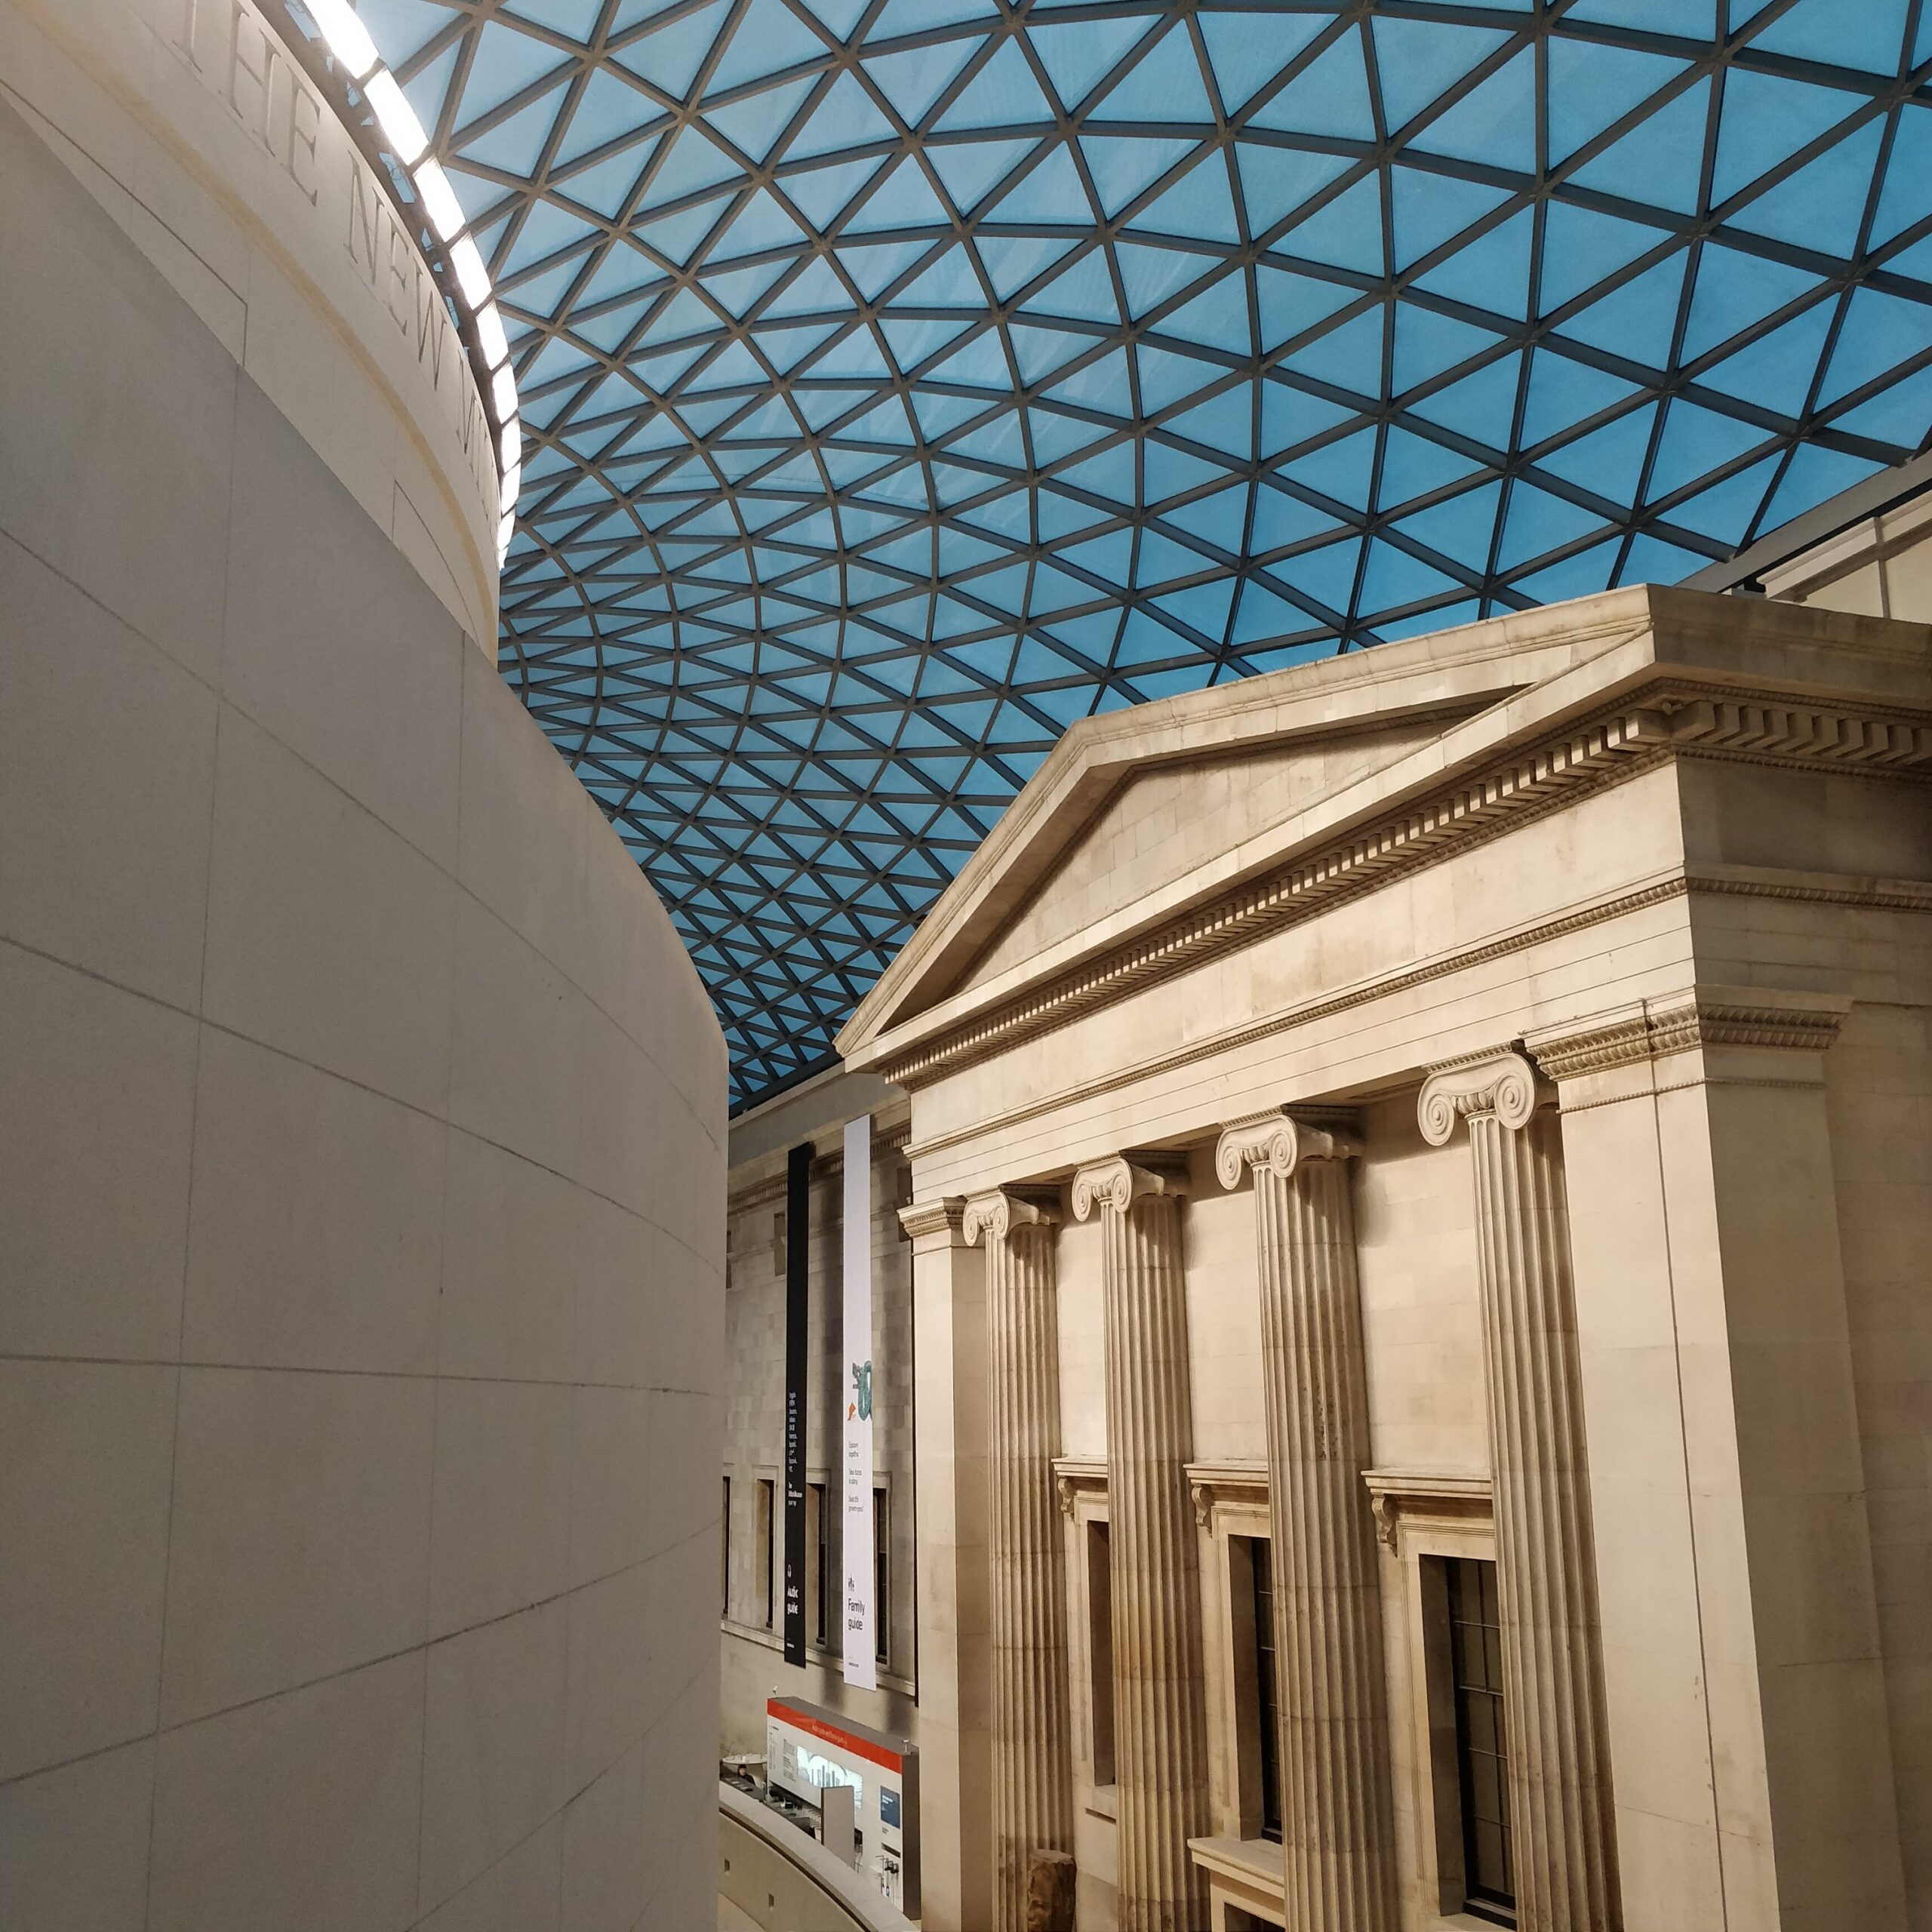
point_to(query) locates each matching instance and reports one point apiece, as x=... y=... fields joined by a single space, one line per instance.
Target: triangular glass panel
x=913 y=80
x=1661 y=160
x=1418 y=61
x=1582 y=247
x=1496 y=124
x=1491 y=272
x=1766 y=118
x=668 y=57
x=1244 y=61
x=1077 y=54
x=1199 y=205
x=968 y=170
x=1002 y=94
x=1564 y=391
x=1429 y=208
x=845 y=118
x=1163 y=85
x=1123 y=168
x=1330 y=96
x=1821 y=207
x=1344 y=231
x=755 y=125
x=1593 y=84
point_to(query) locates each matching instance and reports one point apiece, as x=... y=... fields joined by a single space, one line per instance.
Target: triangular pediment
x=1164 y=823
x=1144 y=813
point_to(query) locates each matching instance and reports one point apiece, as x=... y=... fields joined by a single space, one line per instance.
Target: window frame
x=1423 y=1519
x=1082 y=1485
x=765 y=1527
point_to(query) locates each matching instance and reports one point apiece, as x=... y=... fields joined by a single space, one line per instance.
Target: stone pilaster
x=1559 y=1769
x=1160 y=1727
x=949 y=1556
x=1032 y=1762
x=1711 y=1171
x=1337 y=1830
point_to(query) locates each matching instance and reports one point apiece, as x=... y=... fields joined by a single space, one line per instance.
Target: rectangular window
x=1100 y=1649
x=1482 y=1748
x=818 y=1531
x=1267 y=1708
x=762 y=1583
x=724 y=1554
x=881 y=1575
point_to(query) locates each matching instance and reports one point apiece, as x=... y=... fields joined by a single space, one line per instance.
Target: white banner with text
x=861 y=1647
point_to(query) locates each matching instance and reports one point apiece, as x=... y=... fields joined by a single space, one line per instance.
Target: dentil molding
x=1677 y=721
x=1707 y=1017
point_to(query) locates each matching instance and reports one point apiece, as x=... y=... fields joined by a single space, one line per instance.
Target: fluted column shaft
x=1032 y=1743
x=1559 y=1804
x=1337 y=1828
x=1160 y=1719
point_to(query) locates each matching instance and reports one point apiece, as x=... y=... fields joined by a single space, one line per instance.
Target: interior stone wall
x=753 y=1658
x=361 y=1199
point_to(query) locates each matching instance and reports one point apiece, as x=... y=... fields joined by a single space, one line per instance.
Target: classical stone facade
x=1469 y=1102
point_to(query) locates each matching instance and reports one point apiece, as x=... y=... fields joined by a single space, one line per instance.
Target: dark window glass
x=1268 y=1715
x=821 y=1557
x=1482 y=1741
x=881 y=1575
x=764 y=1555
x=1100 y=1648
x=724 y=1558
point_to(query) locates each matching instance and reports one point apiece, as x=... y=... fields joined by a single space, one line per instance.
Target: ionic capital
x=1002 y=1211
x=1280 y=1142
x=1504 y=1084
x=1118 y=1183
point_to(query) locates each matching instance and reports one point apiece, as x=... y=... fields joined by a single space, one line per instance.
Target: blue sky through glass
x=903 y=379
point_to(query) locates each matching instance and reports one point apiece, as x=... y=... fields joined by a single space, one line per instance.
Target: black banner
x=797 y=1261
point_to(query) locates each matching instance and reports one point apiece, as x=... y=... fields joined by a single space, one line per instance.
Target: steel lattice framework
x=903 y=379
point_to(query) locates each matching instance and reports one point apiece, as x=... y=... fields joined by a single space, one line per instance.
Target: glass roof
x=903 y=379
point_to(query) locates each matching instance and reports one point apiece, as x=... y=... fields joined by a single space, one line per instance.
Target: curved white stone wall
x=192 y=124
x=361 y=1192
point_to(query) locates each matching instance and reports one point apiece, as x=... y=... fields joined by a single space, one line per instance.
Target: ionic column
x=1337 y=1830
x=1032 y=1744
x=1160 y=1730
x=1552 y=1675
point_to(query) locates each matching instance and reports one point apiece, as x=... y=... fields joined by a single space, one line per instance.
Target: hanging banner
x=861 y=1645
x=798 y=1262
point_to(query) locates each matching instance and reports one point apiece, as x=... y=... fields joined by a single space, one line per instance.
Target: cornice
x=1254 y=1032
x=1075 y=1476
x=1210 y=1483
x=1115 y=1185
x=828 y=1166
x=1387 y=850
x=1706 y=1017
x=1440 y=1499
x=1677 y=720
x=1882 y=895
x=1501 y=1083
x=1279 y=1141
x=945 y=1215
